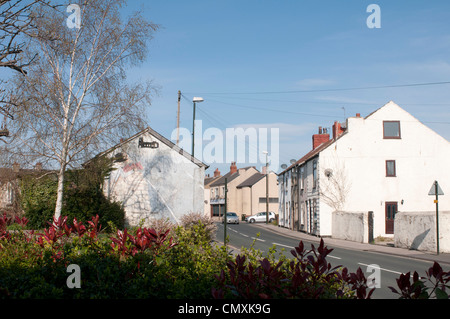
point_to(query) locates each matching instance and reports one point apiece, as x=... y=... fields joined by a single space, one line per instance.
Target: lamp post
x=267 y=188
x=195 y=100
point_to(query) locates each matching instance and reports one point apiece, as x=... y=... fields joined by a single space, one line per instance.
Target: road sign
x=436 y=191
x=433 y=190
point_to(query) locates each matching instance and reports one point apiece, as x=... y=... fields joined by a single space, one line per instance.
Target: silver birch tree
x=76 y=100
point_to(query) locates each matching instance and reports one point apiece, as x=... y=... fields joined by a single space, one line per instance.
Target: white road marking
x=277 y=244
x=258 y=239
x=331 y=256
x=391 y=271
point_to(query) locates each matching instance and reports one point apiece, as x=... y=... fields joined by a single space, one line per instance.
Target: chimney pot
x=233 y=168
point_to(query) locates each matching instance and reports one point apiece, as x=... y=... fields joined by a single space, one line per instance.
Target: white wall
x=285 y=199
x=421 y=156
x=352 y=226
x=417 y=230
x=156 y=183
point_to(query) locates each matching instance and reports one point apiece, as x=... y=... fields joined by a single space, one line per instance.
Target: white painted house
x=154 y=179
x=384 y=163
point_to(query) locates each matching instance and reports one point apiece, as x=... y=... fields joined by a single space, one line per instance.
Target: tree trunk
x=60 y=192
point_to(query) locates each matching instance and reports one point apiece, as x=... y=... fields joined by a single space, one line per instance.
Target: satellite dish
x=293 y=161
x=283 y=166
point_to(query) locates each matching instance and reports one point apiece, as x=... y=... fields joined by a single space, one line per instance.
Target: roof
x=221 y=180
x=229 y=176
x=323 y=146
x=252 y=180
x=311 y=154
x=209 y=180
x=8 y=174
x=161 y=138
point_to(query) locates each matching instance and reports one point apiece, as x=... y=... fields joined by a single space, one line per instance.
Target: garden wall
x=417 y=230
x=352 y=226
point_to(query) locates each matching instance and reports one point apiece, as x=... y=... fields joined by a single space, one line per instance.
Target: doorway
x=390 y=212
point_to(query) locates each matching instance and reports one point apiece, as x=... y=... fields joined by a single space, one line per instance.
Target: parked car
x=260 y=217
x=232 y=218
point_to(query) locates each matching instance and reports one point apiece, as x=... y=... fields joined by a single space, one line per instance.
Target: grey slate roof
x=252 y=180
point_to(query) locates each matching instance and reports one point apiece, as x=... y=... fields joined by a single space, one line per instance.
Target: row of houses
x=247 y=191
x=370 y=177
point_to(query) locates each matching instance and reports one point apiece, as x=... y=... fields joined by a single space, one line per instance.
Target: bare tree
x=16 y=20
x=335 y=186
x=76 y=99
x=16 y=23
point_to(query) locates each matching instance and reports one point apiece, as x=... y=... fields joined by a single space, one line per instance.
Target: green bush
x=38 y=199
x=83 y=197
x=143 y=264
x=149 y=263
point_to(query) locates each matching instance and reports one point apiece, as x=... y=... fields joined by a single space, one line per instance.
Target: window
x=272 y=200
x=390 y=169
x=302 y=177
x=391 y=130
x=314 y=174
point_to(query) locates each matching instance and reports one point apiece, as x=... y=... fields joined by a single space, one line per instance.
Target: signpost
x=436 y=190
x=225 y=216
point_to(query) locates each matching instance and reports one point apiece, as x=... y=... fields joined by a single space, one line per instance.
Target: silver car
x=260 y=217
x=232 y=218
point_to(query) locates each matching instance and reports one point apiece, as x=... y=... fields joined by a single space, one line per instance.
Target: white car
x=232 y=218
x=260 y=217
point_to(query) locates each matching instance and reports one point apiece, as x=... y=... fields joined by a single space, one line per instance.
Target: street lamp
x=195 y=100
x=267 y=187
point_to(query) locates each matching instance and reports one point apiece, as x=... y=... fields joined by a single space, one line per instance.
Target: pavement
x=380 y=247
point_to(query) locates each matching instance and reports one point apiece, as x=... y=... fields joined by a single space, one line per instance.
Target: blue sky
x=225 y=50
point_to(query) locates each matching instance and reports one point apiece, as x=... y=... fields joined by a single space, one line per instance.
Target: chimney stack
x=358 y=114
x=233 y=168
x=264 y=170
x=337 y=130
x=320 y=138
x=216 y=173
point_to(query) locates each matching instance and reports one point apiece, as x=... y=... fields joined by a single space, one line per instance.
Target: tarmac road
x=387 y=263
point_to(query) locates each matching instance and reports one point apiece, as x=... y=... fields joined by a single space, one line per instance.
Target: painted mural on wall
x=155 y=183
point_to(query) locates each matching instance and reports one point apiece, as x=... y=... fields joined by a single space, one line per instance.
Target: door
x=391 y=210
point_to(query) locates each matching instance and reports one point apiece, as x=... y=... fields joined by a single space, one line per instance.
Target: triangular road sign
x=433 y=190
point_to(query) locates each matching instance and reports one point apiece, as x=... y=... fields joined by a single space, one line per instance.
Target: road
x=389 y=267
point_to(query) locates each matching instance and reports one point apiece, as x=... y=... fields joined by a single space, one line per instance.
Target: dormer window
x=391 y=130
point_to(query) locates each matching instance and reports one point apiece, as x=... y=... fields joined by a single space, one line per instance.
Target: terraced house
x=360 y=178
x=246 y=192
